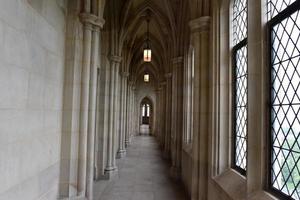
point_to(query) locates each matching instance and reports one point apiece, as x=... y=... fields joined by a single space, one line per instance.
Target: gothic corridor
x=150 y=100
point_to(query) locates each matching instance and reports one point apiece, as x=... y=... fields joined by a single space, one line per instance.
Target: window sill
x=235 y=187
x=262 y=195
x=232 y=183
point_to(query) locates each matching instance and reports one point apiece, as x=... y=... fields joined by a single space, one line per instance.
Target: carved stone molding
x=87 y=18
x=130 y=83
x=125 y=74
x=163 y=83
x=177 y=60
x=200 y=24
x=116 y=59
x=168 y=75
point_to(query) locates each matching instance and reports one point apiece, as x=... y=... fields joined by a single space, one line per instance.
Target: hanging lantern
x=147 y=50
x=147 y=55
x=146 y=78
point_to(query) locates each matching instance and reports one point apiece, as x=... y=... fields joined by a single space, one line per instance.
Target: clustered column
x=111 y=167
x=176 y=124
x=156 y=132
x=167 y=147
x=123 y=116
x=128 y=114
x=90 y=58
x=134 y=114
x=200 y=39
x=162 y=102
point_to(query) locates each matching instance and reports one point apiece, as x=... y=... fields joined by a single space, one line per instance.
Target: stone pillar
x=91 y=28
x=92 y=111
x=163 y=113
x=157 y=114
x=177 y=119
x=111 y=167
x=132 y=113
x=122 y=139
x=128 y=115
x=84 y=99
x=200 y=41
x=167 y=147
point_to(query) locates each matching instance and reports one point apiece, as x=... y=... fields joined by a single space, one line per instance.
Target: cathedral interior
x=150 y=100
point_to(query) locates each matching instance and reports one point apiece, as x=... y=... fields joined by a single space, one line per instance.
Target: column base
x=175 y=172
x=110 y=173
x=121 y=154
x=127 y=143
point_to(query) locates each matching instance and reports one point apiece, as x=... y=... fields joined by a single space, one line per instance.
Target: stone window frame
x=223 y=178
x=238 y=45
x=272 y=21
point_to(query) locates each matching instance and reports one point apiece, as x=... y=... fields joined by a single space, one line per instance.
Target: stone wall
x=32 y=36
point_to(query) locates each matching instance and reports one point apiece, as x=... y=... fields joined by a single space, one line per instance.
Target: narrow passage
x=143 y=175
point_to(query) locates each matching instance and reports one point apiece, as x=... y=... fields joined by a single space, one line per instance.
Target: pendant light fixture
x=147 y=50
x=146 y=77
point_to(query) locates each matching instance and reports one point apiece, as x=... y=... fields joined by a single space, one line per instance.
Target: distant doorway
x=146 y=116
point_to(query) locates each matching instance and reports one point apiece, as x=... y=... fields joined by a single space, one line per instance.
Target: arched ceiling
x=164 y=29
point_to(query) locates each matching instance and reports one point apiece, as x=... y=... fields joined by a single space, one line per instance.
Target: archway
x=146 y=117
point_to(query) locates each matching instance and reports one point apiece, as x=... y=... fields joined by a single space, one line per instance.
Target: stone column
x=128 y=114
x=133 y=113
x=163 y=113
x=122 y=139
x=84 y=99
x=92 y=111
x=177 y=119
x=167 y=147
x=117 y=107
x=91 y=28
x=111 y=167
x=200 y=40
x=157 y=114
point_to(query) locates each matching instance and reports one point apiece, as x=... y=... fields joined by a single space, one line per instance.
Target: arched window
x=284 y=51
x=240 y=85
x=146 y=110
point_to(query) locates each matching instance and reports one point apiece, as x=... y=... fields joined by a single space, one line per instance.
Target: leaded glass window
x=284 y=26
x=240 y=86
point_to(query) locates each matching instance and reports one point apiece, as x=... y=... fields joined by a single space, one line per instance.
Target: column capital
x=116 y=59
x=130 y=83
x=168 y=75
x=201 y=24
x=125 y=74
x=88 y=18
x=163 y=83
x=157 y=90
x=177 y=60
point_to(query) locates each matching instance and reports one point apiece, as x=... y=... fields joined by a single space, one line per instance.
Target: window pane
x=148 y=110
x=276 y=6
x=285 y=105
x=144 y=110
x=240 y=107
x=239 y=21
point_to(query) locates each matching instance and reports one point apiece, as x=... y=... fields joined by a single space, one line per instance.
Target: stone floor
x=143 y=175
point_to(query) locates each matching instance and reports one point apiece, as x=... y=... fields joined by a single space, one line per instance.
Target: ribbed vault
x=127 y=24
